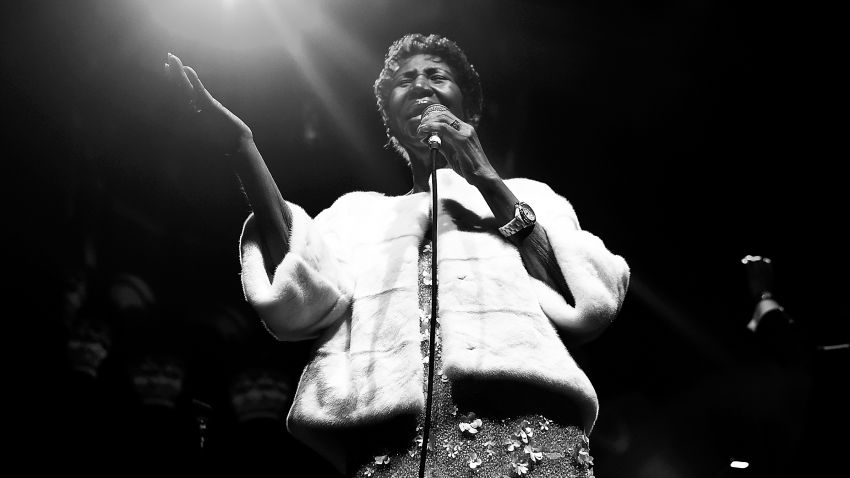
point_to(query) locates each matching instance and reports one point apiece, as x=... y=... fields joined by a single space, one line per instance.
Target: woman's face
x=421 y=80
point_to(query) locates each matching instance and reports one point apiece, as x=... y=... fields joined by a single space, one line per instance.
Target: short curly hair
x=416 y=43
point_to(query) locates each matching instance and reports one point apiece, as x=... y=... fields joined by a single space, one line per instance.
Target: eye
x=404 y=82
x=439 y=78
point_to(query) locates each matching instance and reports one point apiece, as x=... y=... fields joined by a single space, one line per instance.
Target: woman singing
x=518 y=281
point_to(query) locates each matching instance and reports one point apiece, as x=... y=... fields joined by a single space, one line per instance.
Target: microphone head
x=433 y=140
x=432 y=108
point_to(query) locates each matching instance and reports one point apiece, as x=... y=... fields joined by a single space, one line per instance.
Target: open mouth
x=419 y=106
x=413 y=115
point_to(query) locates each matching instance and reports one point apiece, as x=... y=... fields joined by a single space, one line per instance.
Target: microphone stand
x=433 y=143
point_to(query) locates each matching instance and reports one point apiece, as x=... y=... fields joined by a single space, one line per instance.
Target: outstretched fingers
x=176 y=71
x=217 y=126
x=202 y=97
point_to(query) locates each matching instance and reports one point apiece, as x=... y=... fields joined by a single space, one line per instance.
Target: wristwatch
x=523 y=217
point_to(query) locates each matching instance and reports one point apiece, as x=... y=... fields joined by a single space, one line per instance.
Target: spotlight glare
x=739 y=464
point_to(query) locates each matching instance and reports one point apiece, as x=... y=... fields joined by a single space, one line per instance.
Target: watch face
x=526 y=212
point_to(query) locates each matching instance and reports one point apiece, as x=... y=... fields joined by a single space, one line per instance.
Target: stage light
x=291 y=40
x=739 y=464
x=239 y=25
x=305 y=36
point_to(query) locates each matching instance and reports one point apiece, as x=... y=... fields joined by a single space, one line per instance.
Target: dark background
x=687 y=134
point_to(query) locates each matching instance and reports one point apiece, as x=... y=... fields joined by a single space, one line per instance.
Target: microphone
x=433 y=140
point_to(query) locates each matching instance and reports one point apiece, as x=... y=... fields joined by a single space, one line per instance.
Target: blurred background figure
x=776 y=330
x=758 y=415
x=255 y=377
x=814 y=438
x=260 y=395
x=775 y=405
x=89 y=339
x=87 y=411
x=83 y=402
x=150 y=368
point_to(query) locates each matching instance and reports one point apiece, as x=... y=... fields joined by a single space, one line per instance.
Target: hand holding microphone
x=461 y=147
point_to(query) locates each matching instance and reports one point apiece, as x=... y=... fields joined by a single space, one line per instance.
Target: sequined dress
x=471 y=442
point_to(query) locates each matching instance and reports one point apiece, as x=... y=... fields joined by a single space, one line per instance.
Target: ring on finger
x=455 y=124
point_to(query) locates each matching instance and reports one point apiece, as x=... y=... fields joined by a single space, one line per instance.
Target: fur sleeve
x=308 y=291
x=597 y=278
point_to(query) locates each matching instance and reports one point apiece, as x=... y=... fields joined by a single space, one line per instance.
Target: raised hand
x=207 y=117
x=230 y=136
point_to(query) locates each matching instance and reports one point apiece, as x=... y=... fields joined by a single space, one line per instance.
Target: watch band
x=512 y=227
x=519 y=222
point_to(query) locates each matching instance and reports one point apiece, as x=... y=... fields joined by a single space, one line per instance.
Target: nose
x=421 y=87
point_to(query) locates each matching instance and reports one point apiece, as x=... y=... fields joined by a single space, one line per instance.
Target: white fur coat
x=350 y=281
